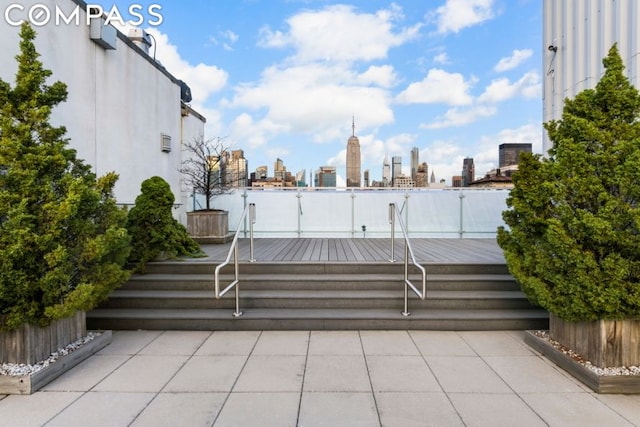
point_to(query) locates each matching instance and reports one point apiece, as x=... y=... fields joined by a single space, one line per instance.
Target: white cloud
x=456 y=15
x=251 y=133
x=458 y=117
x=226 y=39
x=441 y=58
x=204 y=80
x=339 y=33
x=439 y=86
x=502 y=89
x=383 y=76
x=316 y=100
x=517 y=57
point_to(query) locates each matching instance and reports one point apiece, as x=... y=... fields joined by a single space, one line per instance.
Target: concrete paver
x=401 y=374
x=496 y=409
x=336 y=373
x=260 y=409
x=102 y=409
x=317 y=378
x=207 y=374
x=181 y=409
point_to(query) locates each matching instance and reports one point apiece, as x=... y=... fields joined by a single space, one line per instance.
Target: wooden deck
x=361 y=250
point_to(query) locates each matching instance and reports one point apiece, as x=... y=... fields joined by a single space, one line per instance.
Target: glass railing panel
x=315 y=212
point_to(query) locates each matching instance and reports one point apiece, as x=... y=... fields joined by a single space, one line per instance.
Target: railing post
x=299 y=196
x=244 y=205
x=252 y=220
x=406 y=312
x=461 y=232
x=392 y=221
x=237 y=313
x=353 y=213
x=406 y=212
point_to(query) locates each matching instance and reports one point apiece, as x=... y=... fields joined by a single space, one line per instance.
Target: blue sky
x=282 y=79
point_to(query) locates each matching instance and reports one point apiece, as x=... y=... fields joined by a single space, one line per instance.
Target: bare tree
x=205 y=167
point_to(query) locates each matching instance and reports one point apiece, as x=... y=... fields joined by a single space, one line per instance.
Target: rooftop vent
x=185 y=92
x=140 y=38
x=102 y=33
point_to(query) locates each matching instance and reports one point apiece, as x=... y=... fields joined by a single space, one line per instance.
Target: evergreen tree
x=152 y=227
x=62 y=238
x=573 y=240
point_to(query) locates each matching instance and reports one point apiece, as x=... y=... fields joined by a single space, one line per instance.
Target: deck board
x=361 y=250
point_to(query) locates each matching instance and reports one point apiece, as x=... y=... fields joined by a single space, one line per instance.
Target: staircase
x=316 y=296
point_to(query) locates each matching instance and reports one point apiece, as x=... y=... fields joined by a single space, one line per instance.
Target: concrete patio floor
x=317 y=378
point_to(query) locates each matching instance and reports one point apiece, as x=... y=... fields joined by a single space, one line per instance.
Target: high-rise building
x=353 y=158
x=386 y=172
x=301 y=180
x=509 y=154
x=279 y=171
x=325 y=177
x=468 y=172
x=262 y=172
x=236 y=169
x=456 y=181
x=415 y=160
x=422 y=175
x=366 y=178
x=577 y=35
x=396 y=168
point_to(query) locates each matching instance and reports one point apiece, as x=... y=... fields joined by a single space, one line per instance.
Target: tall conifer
x=63 y=244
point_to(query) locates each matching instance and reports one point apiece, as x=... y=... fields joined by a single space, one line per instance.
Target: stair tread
x=317 y=277
x=324 y=313
x=317 y=294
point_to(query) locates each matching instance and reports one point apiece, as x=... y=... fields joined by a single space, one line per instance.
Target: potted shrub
x=573 y=236
x=205 y=172
x=63 y=244
x=154 y=232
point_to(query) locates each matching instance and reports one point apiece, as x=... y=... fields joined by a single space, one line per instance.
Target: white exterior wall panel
x=119 y=104
x=583 y=32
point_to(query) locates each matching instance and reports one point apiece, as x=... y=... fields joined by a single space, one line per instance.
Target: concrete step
x=180 y=295
x=285 y=299
x=318 y=319
x=380 y=267
x=323 y=281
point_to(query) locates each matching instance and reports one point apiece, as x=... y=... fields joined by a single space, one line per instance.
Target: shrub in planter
x=573 y=241
x=63 y=243
x=153 y=229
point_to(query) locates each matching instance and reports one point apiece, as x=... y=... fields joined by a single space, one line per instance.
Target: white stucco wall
x=583 y=31
x=120 y=103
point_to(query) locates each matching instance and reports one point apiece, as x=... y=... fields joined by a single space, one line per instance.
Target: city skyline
x=282 y=79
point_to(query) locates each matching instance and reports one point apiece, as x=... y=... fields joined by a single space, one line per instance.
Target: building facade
x=386 y=172
x=468 y=172
x=236 y=169
x=509 y=154
x=396 y=169
x=577 y=35
x=124 y=113
x=325 y=177
x=353 y=158
x=415 y=161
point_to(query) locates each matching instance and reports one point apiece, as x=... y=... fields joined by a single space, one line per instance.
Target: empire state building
x=353 y=158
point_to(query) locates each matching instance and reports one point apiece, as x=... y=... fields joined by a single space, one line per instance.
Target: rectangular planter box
x=604 y=343
x=30 y=344
x=209 y=226
x=604 y=384
x=29 y=384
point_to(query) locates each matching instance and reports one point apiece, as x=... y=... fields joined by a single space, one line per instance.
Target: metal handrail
x=251 y=210
x=408 y=251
